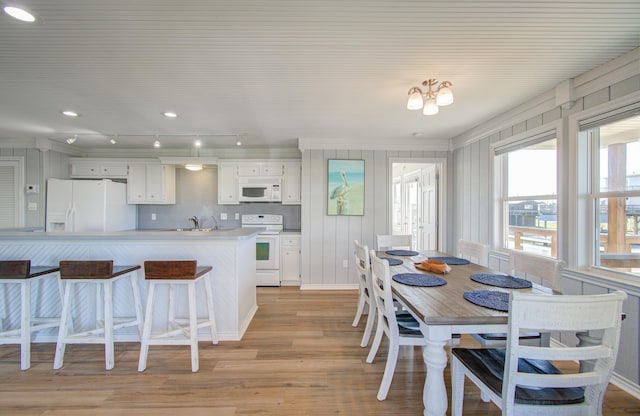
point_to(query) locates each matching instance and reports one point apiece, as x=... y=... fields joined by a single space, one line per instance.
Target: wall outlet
x=223 y=216
x=153 y=217
x=345 y=263
x=237 y=217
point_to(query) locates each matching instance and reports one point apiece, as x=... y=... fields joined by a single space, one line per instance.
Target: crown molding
x=413 y=144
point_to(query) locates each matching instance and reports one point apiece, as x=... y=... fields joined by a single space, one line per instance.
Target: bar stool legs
x=103 y=274
x=20 y=272
x=175 y=273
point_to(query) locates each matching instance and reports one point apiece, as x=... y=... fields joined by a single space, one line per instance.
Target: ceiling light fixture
x=72 y=140
x=193 y=166
x=430 y=100
x=197 y=143
x=156 y=144
x=170 y=114
x=113 y=140
x=19 y=13
x=70 y=113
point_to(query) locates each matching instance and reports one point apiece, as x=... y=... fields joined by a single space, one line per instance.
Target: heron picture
x=345 y=187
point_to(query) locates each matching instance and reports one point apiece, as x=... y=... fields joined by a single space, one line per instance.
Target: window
x=614 y=197
x=529 y=196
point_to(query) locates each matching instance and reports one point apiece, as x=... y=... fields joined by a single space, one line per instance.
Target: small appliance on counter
x=267 y=247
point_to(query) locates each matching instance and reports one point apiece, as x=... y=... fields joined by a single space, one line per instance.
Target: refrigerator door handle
x=71 y=218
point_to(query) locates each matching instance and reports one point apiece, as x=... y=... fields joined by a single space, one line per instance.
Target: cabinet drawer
x=290 y=240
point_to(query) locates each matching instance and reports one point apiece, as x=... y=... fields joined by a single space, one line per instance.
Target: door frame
x=441 y=167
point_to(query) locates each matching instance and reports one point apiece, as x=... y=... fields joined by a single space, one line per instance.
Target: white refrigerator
x=88 y=205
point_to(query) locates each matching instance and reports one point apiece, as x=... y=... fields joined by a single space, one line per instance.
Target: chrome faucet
x=196 y=223
x=213 y=217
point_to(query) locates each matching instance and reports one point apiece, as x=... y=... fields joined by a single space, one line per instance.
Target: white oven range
x=267 y=247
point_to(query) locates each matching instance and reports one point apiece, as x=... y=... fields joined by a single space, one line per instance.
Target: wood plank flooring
x=300 y=356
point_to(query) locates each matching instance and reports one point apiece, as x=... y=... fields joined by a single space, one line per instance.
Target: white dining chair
x=474 y=251
x=399 y=327
x=523 y=380
x=365 y=291
x=398 y=241
x=543 y=271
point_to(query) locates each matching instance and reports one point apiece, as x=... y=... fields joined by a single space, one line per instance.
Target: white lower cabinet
x=290 y=259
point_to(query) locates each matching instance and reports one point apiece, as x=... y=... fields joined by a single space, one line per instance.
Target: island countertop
x=221 y=234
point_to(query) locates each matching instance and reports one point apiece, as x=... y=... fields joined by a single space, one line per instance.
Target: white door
x=428 y=228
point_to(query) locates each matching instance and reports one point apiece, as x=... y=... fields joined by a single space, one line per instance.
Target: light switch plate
x=32 y=206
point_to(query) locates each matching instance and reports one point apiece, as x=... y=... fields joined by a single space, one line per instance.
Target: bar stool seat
x=103 y=274
x=174 y=273
x=20 y=272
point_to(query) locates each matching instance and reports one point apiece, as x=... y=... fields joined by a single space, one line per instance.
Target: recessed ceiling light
x=170 y=114
x=20 y=14
x=197 y=143
x=238 y=143
x=70 y=113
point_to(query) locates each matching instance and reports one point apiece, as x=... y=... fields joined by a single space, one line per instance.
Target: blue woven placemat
x=453 y=261
x=491 y=299
x=392 y=262
x=419 y=279
x=501 y=280
x=401 y=252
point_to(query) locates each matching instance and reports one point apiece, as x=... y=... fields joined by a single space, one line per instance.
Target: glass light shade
x=430 y=107
x=445 y=96
x=415 y=99
x=19 y=14
x=193 y=166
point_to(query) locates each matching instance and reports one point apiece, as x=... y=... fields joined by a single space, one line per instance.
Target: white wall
x=327 y=241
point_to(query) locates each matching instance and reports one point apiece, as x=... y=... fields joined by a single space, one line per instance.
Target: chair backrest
x=474 y=251
x=546 y=313
x=386 y=242
x=538 y=269
x=381 y=282
x=363 y=268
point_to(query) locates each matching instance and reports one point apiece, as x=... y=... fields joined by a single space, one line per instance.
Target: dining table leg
x=435 y=358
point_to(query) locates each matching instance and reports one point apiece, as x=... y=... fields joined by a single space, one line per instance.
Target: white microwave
x=259 y=190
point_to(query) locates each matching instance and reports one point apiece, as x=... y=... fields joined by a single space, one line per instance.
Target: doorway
x=415 y=190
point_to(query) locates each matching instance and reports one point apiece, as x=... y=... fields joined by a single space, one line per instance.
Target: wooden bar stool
x=104 y=274
x=20 y=272
x=173 y=273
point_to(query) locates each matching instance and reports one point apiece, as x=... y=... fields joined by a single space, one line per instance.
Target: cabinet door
x=84 y=170
x=248 y=169
x=290 y=264
x=156 y=185
x=271 y=169
x=137 y=183
x=292 y=193
x=115 y=170
x=227 y=184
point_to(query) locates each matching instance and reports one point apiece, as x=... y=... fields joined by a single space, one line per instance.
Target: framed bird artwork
x=345 y=182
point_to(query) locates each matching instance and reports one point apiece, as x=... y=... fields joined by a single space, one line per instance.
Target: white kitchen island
x=231 y=253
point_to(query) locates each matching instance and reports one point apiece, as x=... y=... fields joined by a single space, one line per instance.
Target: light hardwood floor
x=300 y=356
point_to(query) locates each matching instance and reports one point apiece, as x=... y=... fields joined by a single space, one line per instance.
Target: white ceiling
x=278 y=70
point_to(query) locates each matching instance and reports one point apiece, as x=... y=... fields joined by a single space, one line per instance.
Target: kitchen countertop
x=228 y=234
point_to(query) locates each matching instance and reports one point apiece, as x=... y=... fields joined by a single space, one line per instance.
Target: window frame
x=581 y=230
x=499 y=149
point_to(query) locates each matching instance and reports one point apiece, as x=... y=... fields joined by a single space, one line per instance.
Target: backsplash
x=197 y=194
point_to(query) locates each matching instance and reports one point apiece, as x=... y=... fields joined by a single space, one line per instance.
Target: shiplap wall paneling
x=458 y=195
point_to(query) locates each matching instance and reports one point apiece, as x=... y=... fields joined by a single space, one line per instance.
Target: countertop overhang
x=230 y=234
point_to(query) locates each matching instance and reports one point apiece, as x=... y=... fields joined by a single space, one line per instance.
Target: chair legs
x=389 y=369
x=457 y=387
x=371 y=317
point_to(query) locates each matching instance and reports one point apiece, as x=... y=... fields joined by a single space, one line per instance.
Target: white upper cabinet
x=292 y=192
x=260 y=169
x=151 y=183
x=98 y=168
x=227 y=184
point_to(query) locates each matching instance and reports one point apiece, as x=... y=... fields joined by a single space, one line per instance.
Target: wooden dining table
x=443 y=311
